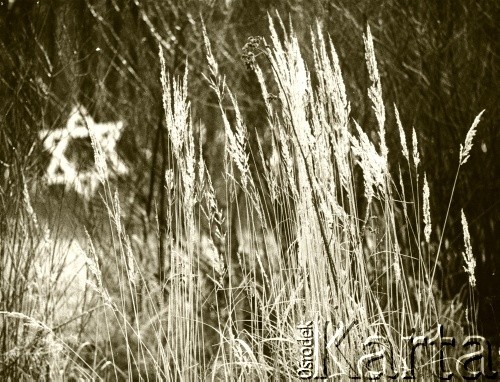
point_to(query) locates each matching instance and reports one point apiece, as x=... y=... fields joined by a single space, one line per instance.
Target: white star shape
x=61 y=170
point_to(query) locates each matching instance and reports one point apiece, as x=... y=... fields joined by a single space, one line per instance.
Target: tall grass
x=315 y=228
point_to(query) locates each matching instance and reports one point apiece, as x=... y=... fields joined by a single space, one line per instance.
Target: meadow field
x=249 y=190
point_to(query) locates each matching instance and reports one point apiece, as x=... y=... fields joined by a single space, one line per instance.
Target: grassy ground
x=316 y=218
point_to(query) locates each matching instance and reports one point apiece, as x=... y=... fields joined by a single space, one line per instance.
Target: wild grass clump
x=313 y=226
x=296 y=241
x=40 y=316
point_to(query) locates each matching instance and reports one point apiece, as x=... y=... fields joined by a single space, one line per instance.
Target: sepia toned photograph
x=249 y=190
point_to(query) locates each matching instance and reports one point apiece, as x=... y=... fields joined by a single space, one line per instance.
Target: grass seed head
x=465 y=149
x=470 y=261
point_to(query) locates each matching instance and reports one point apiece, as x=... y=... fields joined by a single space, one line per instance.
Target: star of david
x=61 y=170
